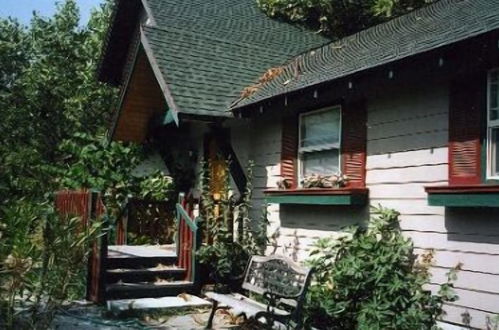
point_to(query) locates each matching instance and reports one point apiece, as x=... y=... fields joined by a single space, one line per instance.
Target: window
x=319 y=142
x=493 y=124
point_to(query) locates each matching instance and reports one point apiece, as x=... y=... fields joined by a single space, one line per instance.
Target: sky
x=23 y=9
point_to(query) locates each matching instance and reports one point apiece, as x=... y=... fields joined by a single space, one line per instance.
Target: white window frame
x=331 y=146
x=491 y=125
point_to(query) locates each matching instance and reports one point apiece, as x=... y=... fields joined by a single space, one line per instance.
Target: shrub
x=371 y=279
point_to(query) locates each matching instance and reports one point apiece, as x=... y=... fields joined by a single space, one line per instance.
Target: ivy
x=225 y=259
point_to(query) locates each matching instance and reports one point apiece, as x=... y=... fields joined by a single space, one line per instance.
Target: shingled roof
x=207 y=51
x=438 y=25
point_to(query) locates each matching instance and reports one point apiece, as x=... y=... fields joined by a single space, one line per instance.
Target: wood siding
x=406 y=151
x=142 y=100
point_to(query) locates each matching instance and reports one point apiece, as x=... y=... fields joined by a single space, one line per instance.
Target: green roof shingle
x=208 y=50
x=438 y=25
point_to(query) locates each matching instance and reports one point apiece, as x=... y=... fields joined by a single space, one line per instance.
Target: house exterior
x=407 y=110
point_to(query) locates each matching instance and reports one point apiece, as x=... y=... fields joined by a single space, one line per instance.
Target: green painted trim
x=464 y=200
x=168 y=118
x=182 y=214
x=318 y=199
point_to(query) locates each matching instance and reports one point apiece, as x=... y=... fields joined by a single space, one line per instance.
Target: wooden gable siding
x=142 y=100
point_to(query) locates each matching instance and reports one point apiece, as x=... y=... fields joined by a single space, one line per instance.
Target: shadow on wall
x=477 y=225
x=302 y=225
x=323 y=218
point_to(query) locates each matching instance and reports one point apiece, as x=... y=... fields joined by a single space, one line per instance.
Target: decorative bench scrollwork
x=282 y=284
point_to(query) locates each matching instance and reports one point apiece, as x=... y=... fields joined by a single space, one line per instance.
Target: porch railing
x=188 y=237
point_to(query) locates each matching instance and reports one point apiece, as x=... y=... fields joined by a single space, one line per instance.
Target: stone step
x=164 y=303
x=147 y=290
x=135 y=262
x=144 y=274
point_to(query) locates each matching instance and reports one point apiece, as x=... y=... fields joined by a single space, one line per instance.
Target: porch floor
x=134 y=251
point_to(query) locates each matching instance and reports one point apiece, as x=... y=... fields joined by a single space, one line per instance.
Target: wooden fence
x=88 y=206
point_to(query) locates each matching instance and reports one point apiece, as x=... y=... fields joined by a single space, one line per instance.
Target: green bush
x=371 y=279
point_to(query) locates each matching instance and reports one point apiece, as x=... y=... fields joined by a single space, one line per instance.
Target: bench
x=282 y=284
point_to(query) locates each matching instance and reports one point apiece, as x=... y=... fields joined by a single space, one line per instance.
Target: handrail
x=181 y=213
x=188 y=240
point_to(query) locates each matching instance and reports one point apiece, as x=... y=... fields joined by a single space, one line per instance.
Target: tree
x=48 y=93
x=338 y=18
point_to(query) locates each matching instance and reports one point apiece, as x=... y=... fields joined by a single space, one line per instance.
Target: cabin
x=406 y=111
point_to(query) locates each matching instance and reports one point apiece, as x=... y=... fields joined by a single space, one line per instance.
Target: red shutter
x=354 y=141
x=467 y=98
x=289 y=151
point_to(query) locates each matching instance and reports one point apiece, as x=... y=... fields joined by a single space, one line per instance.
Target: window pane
x=495 y=152
x=494 y=99
x=494 y=76
x=494 y=114
x=321 y=162
x=320 y=128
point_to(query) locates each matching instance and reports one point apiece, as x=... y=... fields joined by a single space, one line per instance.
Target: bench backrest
x=279 y=275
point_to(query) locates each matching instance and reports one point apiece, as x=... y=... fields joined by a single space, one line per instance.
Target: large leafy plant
x=371 y=279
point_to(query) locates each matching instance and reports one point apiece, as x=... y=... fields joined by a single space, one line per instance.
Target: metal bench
x=279 y=281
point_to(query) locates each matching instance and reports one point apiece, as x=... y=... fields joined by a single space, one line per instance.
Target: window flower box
x=318 y=196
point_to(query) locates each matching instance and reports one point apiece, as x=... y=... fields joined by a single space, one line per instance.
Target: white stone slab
x=157 y=303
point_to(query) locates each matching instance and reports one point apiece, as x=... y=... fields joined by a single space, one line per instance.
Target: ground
x=83 y=316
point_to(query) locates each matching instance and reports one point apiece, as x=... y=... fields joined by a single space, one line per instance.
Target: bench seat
x=279 y=281
x=242 y=305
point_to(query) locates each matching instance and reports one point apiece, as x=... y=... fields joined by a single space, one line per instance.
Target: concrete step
x=164 y=303
x=134 y=262
x=144 y=275
x=148 y=290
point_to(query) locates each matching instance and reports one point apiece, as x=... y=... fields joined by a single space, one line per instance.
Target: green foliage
x=227 y=256
x=54 y=115
x=370 y=279
x=43 y=261
x=338 y=18
x=94 y=163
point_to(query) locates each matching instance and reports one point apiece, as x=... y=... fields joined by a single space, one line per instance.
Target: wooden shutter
x=289 y=151
x=354 y=142
x=467 y=99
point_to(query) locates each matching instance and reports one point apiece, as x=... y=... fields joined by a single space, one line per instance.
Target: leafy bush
x=43 y=259
x=338 y=18
x=226 y=258
x=371 y=279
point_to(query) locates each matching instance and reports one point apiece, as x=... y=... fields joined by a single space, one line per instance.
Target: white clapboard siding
x=419 y=126
x=401 y=191
x=476 y=319
x=406 y=151
x=468 y=280
x=484 y=263
x=487 y=302
x=422 y=174
x=413 y=207
x=481 y=226
x=485 y=245
x=434 y=139
x=437 y=156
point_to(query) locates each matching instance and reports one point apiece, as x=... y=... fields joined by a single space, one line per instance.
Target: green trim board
x=350 y=199
x=464 y=200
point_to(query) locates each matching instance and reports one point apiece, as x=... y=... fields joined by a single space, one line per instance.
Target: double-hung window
x=493 y=124
x=319 y=142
